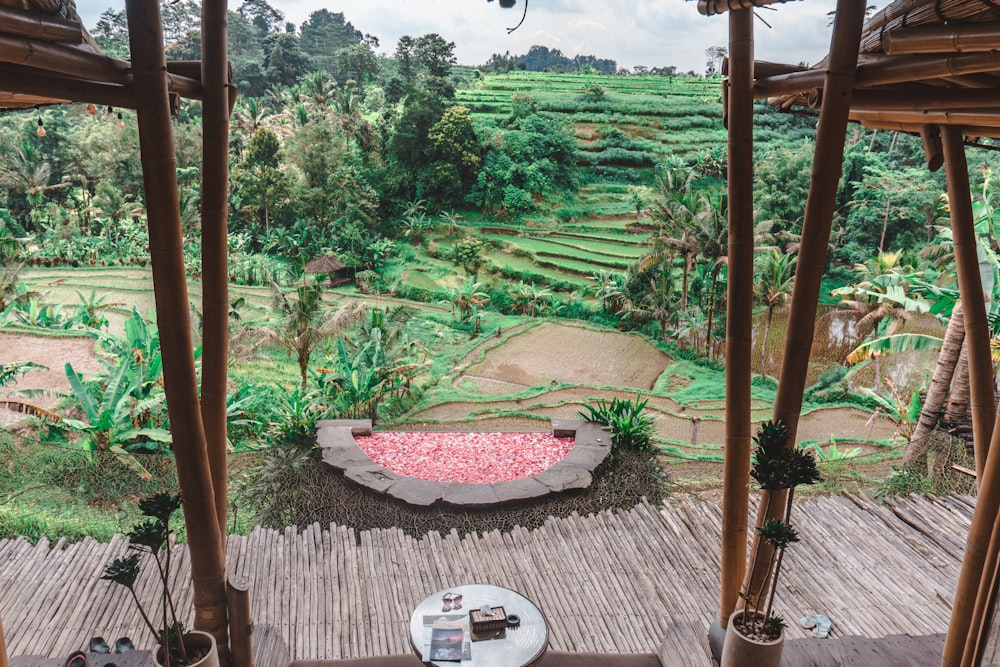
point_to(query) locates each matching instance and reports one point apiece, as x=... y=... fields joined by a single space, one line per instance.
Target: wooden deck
x=616 y=582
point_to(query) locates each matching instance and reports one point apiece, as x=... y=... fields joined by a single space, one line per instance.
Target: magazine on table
x=447 y=638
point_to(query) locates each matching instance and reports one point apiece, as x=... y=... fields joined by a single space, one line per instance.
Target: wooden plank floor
x=616 y=582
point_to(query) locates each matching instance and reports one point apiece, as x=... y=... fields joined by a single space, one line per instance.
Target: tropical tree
x=467 y=297
x=530 y=300
x=306 y=322
x=378 y=361
x=773 y=286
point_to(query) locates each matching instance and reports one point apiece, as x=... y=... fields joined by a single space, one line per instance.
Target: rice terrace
x=329 y=323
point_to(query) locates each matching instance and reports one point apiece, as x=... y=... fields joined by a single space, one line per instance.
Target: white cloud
x=636 y=32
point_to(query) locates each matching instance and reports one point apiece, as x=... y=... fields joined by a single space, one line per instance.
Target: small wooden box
x=496 y=620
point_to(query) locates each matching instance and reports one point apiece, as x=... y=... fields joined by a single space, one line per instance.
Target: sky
x=653 y=33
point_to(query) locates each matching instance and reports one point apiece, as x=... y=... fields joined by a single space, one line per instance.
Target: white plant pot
x=196 y=641
x=742 y=651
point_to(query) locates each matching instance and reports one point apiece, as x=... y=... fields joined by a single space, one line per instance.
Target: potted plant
x=755 y=634
x=151 y=539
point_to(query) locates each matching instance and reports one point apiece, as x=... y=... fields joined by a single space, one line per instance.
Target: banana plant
x=111 y=419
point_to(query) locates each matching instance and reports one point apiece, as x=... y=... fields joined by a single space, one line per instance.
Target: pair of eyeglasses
x=451 y=601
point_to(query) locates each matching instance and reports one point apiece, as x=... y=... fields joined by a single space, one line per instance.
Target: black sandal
x=123 y=645
x=99 y=645
x=78 y=659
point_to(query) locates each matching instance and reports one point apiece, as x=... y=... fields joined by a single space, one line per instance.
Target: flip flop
x=123 y=645
x=98 y=645
x=808 y=621
x=823 y=625
x=78 y=659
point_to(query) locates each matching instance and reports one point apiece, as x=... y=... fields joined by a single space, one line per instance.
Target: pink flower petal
x=470 y=458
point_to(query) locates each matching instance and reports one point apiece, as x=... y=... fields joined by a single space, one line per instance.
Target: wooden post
x=825 y=177
x=214 y=246
x=739 y=316
x=980 y=558
x=166 y=249
x=240 y=623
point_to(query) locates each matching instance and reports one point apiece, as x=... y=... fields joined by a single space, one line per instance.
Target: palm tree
x=306 y=322
x=467 y=297
x=774 y=287
x=711 y=234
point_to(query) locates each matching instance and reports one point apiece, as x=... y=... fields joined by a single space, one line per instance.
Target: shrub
x=630 y=429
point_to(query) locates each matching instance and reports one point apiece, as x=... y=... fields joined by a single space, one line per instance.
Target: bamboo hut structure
x=47 y=57
x=922 y=67
x=928 y=68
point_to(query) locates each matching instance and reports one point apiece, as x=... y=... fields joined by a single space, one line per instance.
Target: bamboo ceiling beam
x=980 y=81
x=43 y=85
x=903 y=69
x=739 y=312
x=20 y=101
x=39 y=26
x=911 y=128
x=965 y=38
x=913 y=98
x=954 y=118
x=930 y=139
x=883 y=71
x=166 y=249
x=712 y=7
x=67 y=60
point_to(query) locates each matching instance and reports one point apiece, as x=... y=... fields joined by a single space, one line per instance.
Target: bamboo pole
x=881 y=71
x=3 y=648
x=970 y=131
x=214 y=244
x=824 y=179
x=967 y=38
x=923 y=98
x=159 y=169
x=39 y=26
x=959 y=118
x=25 y=81
x=980 y=548
x=930 y=139
x=739 y=318
x=977 y=332
x=240 y=622
x=904 y=69
x=67 y=60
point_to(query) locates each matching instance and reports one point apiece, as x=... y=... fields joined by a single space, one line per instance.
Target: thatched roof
x=47 y=57
x=325 y=264
x=922 y=63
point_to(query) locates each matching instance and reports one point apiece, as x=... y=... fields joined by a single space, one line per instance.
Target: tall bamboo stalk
x=980 y=547
x=824 y=179
x=214 y=244
x=159 y=170
x=739 y=316
x=977 y=331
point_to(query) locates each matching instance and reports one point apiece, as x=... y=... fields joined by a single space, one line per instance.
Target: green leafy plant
x=775 y=467
x=630 y=428
x=152 y=538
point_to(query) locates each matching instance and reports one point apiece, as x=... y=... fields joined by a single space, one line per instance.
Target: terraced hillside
x=542 y=370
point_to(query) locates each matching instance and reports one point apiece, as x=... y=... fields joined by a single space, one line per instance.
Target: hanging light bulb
x=121 y=123
x=41 y=128
x=91 y=109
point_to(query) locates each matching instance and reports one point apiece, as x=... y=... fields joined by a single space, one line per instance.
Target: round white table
x=523 y=645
